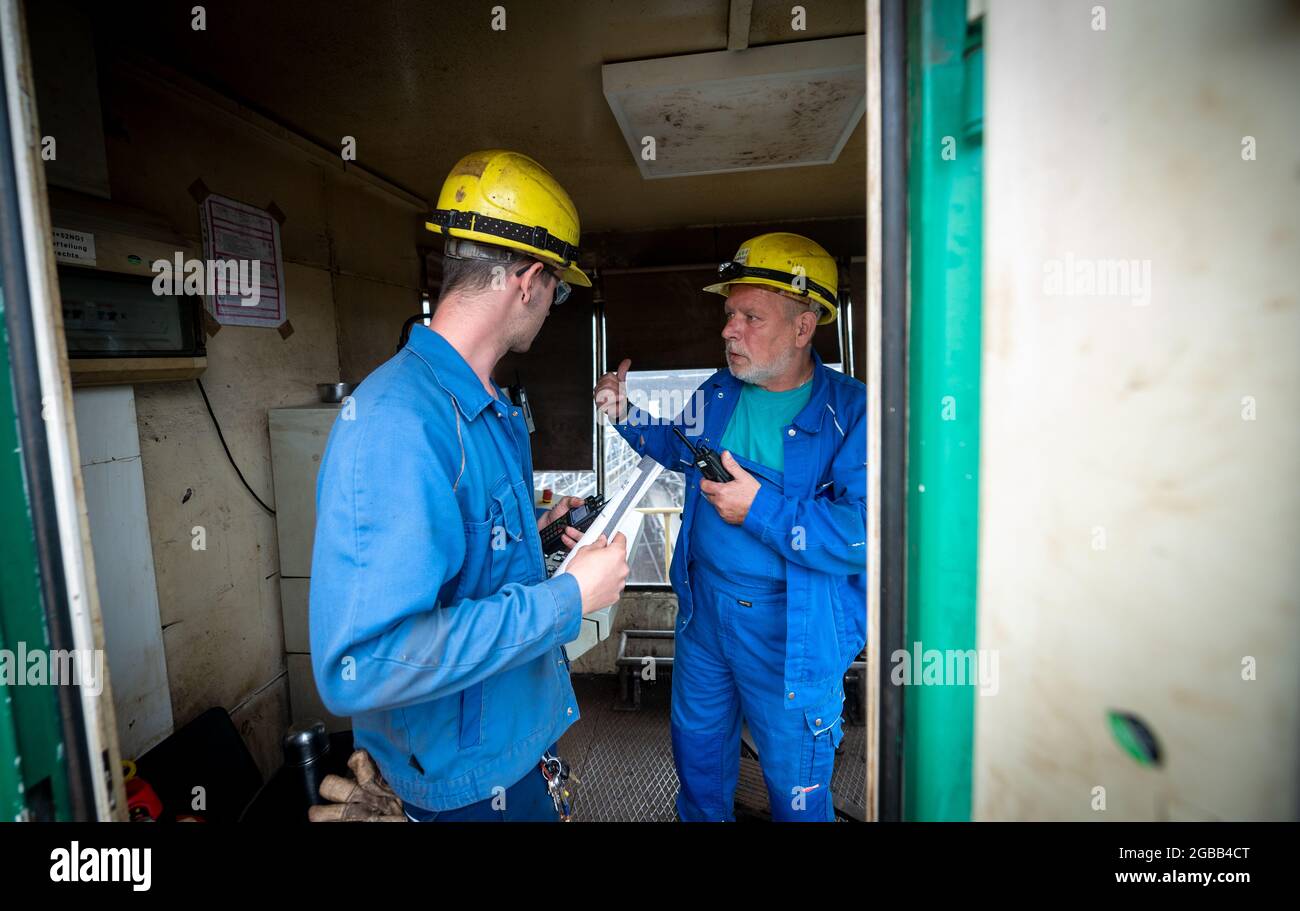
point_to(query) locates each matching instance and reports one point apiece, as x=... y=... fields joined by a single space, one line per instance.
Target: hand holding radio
x=558 y=533
x=706 y=460
x=733 y=498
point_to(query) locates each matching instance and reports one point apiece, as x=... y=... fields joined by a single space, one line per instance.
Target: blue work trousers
x=729 y=659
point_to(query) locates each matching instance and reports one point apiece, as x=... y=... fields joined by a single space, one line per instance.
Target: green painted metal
x=12 y=789
x=1134 y=737
x=945 y=105
x=33 y=767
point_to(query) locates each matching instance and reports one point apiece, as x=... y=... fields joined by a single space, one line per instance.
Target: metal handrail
x=665 y=513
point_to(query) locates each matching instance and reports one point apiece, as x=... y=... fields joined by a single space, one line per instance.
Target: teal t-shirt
x=755 y=429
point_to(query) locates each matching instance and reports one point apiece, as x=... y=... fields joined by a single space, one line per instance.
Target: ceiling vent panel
x=780 y=106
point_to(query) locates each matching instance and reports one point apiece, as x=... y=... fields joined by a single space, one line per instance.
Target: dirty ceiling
x=788 y=105
x=420 y=83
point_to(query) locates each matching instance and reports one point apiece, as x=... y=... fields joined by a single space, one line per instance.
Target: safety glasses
x=562 y=291
x=562 y=288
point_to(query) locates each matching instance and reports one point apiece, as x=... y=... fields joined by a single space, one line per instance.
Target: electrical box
x=117 y=329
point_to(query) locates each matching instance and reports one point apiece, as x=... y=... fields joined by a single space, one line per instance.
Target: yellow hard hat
x=789 y=263
x=505 y=199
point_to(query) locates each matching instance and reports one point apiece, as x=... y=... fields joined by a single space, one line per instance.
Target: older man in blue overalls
x=770 y=567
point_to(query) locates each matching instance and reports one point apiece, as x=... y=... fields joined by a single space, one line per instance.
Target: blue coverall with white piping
x=770 y=652
x=433 y=623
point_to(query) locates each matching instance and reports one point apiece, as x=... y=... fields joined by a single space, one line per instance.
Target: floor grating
x=624 y=761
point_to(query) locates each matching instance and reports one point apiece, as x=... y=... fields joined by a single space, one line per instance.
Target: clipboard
x=619 y=515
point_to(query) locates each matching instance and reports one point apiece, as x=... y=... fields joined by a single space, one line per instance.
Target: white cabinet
x=298 y=437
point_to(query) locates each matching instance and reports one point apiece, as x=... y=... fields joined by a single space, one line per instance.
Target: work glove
x=367 y=798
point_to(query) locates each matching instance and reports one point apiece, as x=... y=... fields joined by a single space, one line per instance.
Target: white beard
x=758 y=374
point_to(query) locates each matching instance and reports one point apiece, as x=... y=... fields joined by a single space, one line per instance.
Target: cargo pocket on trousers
x=825 y=727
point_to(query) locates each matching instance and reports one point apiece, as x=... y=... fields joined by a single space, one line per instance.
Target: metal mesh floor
x=624 y=761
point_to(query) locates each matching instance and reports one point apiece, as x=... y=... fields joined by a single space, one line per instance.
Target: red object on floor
x=141 y=801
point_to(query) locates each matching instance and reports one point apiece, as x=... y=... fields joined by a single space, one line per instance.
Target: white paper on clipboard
x=620 y=514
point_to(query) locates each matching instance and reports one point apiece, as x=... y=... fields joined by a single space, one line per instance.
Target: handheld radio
x=580 y=517
x=706 y=460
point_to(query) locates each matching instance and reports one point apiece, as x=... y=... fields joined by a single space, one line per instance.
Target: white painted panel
x=595 y=629
x=106 y=425
x=298 y=437
x=1140 y=489
x=124 y=570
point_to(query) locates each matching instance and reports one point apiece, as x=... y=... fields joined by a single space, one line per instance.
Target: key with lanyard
x=558 y=775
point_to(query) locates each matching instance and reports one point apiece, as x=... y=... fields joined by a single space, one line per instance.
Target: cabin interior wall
x=349 y=263
x=353 y=272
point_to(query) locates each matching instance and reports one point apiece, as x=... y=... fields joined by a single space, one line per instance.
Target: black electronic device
x=706 y=460
x=579 y=517
x=519 y=395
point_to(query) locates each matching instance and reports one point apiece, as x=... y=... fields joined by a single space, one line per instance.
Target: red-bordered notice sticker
x=246 y=271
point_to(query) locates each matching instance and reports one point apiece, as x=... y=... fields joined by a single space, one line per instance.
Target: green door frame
x=33 y=767
x=47 y=771
x=945 y=106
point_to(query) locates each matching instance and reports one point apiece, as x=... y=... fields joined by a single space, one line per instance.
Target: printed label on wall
x=76 y=247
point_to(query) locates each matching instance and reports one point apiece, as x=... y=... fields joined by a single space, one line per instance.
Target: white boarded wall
x=1139 y=535
x=109 y=443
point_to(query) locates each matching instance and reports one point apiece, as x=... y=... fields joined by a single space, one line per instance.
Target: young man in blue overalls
x=433 y=624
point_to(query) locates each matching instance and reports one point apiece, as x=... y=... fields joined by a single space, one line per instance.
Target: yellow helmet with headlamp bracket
x=790 y=264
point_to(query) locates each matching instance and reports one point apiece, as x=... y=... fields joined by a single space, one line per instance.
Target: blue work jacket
x=433 y=624
x=818 y=524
